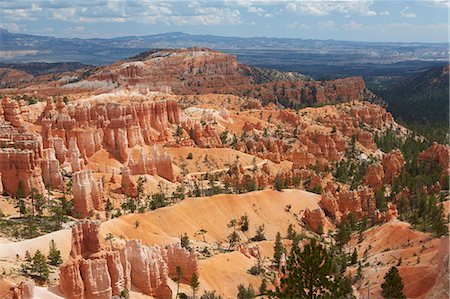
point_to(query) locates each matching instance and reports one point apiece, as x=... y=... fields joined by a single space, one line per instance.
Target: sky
x=362 y=20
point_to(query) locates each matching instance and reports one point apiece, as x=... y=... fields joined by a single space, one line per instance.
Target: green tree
x=278 y=184
x=278 y=250
x=245 y=293
x=309 y=273
x=263 y=287
x=179 y=271
x=210 y=295
x=40 y=267
x=291 y=233
x=20 y=192
x=202 y=232
x=244 y=223
x=392 y=287
x=260 y=234
x=194 y=284
x=54 y=255
x=109 y=237
x=157 y=200
x=354 y=257
x=184 y=241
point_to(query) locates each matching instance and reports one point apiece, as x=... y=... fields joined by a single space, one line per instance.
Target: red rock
x=179 y=256
x=315 y=219
x=74 y=156
x=12 y=113
x=206 y=71
x=25 y=290
x=97 y=282
x=94 y=271
x=70 y=281
x=87 y=193
x=330 y=206
x=360 y=203
x=374 y=177
x=51 y=172
x=366 y=140
x=440 y=154
x=85 y=239
x=149 y=271
x=163 y=163
x=301 y=158
x=127 y=185
x=290 y=117
x=248 y=126
x=116 y=126
x=204 y=136
x=391 y=213
x=393 y=165
x=20 y=166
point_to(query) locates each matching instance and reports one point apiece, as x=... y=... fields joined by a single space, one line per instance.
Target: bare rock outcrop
x=127 y=185
x=391 y=213
x=87 y=193
x=51 y=171
x=20 y=167
x=437 y=153
x=358 y=202
x=12 y=113
x=315 y=219
x=179 y=256
x=96 y=271
x=203 y=71
x=24 y=290
x=374 y=177
x=393 y=165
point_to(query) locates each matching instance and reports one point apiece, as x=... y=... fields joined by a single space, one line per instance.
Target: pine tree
x=184 y=241
x=194 y=284
x=245 y=293
x=291 y=233
x=278 y=250
x=179 y=271
x=260 y=235
x=309 y=273
x=392 y=286
x=354 y=257
x=244 y=223
x=54 y=255
x=263 y=287
x=40 y=266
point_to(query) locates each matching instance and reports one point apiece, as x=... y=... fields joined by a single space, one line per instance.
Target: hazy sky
x=367 y=20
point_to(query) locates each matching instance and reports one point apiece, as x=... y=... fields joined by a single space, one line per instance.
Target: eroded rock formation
x=393 y=165
x=95 y=271
x=87 y=193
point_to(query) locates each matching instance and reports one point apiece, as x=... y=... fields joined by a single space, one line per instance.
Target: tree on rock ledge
x=392 y=285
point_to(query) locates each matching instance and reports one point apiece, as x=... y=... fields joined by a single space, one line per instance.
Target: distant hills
x=422 y=98
x=16 y=47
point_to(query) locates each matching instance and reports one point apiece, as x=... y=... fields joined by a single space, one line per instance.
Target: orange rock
x=440 y=154
x=374 y=177
x=393 y=165
x=391 y=213
x=87 y=193
x=25 y=290
x=93 y=271
x=127 y=185
x=20 y=166
x=70 y=281
x=51 y=172
x=315 y=219
x=12 y=113
x=179 y=256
